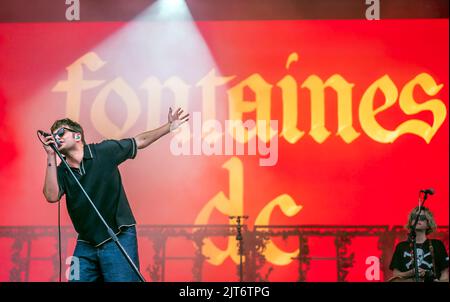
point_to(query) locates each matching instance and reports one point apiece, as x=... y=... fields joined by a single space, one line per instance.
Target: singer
x=432 y=258
x=96 y=168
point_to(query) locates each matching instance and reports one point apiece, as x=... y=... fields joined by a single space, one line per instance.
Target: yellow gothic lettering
x=208 y=85
x=75 y=83
x=154 y=87
x=367 y=113
x=262 y=104
x=288 y=86
x=229 y=206
x=289 y=208
x=344 y=99
x=243 y=132
x=409 y=106
x=234 y=206
x=100 y=118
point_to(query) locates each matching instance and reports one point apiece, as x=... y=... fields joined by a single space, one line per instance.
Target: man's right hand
x=46 y=144
x=50 y=189
x=422 y=272
x=410 y=273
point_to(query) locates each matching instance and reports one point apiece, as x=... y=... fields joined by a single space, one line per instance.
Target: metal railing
x=20 y=241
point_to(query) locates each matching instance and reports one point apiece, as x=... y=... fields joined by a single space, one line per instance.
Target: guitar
x=428 y=277
x=401 y=279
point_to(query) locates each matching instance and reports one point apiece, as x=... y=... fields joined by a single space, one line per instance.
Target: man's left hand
x=175 y=119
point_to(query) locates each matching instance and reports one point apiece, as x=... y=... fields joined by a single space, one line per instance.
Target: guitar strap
x=432 y=257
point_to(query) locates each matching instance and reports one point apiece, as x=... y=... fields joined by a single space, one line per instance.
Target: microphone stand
x=412 y=238
x=110 y=231
x=240 y=243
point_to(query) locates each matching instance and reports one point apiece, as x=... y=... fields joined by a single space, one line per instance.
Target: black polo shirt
x=100 y=177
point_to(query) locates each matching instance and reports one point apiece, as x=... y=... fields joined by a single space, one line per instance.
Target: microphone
x=45 y=134
x=428 y=191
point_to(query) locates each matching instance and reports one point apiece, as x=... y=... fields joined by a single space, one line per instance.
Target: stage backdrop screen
x=311 y=122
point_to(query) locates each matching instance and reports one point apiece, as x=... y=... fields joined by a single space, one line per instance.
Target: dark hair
x=70 y=124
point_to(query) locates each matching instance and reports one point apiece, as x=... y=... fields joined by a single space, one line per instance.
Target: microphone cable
x=59 y=239
x=59 y=225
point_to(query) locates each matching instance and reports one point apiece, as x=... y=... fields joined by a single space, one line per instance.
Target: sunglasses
x=421 y=217
x=62 y=131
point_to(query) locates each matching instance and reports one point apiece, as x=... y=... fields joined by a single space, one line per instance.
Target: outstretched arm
x=174 y=121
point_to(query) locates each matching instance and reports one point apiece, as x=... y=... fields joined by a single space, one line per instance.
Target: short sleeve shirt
x=99 y=174
x=402 y=258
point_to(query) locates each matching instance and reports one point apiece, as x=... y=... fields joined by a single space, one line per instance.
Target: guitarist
x=432 y=257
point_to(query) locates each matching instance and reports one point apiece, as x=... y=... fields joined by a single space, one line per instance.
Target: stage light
x=172 y=3
x=171 y=9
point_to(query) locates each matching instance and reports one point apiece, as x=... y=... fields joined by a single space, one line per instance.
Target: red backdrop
x=362 y=182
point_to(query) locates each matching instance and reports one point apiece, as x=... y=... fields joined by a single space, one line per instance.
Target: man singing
x=96 y=168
